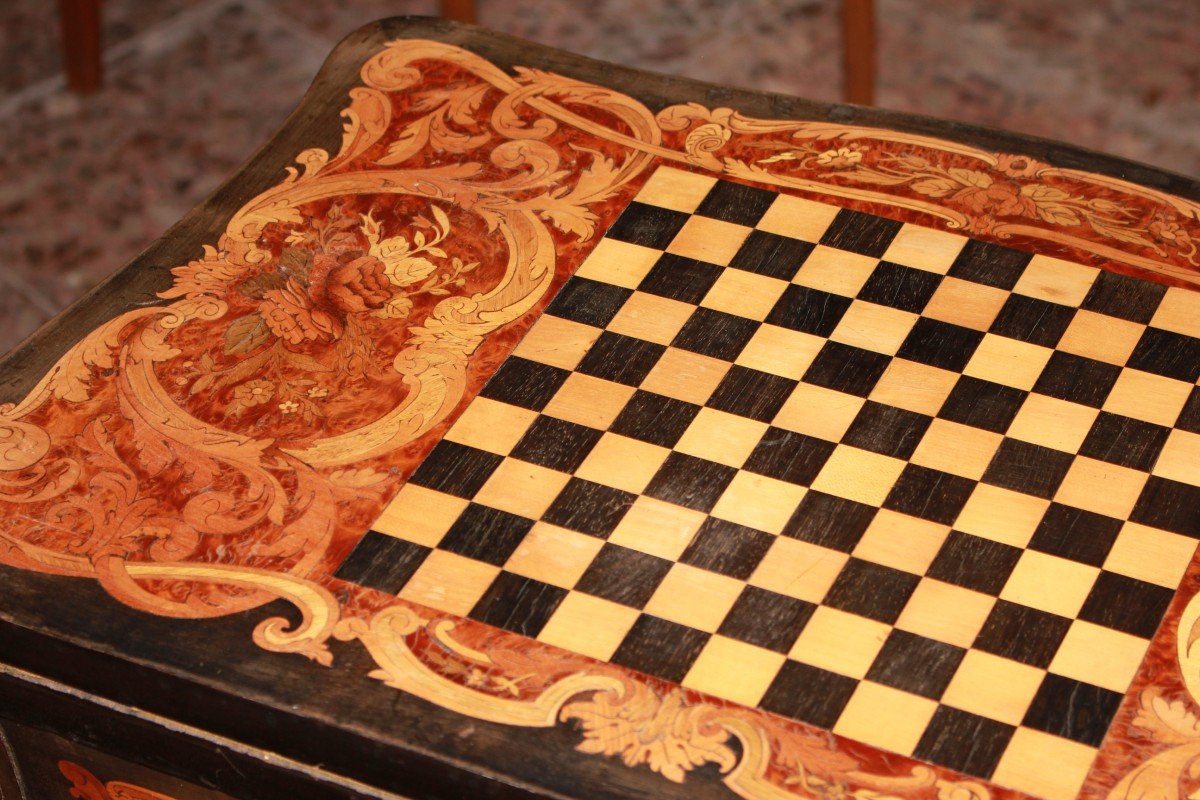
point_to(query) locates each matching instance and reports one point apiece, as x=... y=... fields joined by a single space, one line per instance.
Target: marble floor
x=193 y=86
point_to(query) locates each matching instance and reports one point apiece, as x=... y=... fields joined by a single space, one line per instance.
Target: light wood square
x=521 y=488
x=491 y=425
x=676 y=189
x=420 y=515
x=650 y=317
x=1044 y=765
x=1056 y=281
x=686 y=376
x=924 y=248
x=1010 y=362
x=1101 y=337
x=902 y=542
x=1101 y=487
x=1180 y=458
x=619 y=263
x=945 y=612
x=817 y=411
x=885 y=717
x=971 y=305
x=840 y=642
x=721 y=437
x=835 y=271
x=734 y=670
x=1049 y=583
x=657 y=528
x=553 y=555
x=1151 y=555
x=588 y=625
x=874 y=327
x=914 y=387
x=993 y=687
x=957 y=449
x=557 y=341
x=798 y=569
x=706 y=239
x=449 y=582
x=589 y=401
x=1179 y=311
x=744 y=294
x=797 y=218
x=1149 y=397
x=622 y=463
x=780 y=351
x=1099 y=656
x=759 y=502
x=1001 y=515
x=858 y=475
x=1051 y=422
x=694 y=597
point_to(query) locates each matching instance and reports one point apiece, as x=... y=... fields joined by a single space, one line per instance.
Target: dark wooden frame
x=65 y=645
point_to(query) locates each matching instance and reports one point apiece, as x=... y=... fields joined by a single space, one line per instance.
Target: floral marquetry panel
x=521 y=427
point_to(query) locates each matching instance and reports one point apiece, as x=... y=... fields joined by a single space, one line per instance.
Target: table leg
x=858 y=51
x=459 y=10
x=80 y=21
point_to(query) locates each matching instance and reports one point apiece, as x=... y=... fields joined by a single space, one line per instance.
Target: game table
x=515 y=425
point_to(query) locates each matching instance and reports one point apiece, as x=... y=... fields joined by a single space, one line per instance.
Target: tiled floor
x=193 y=86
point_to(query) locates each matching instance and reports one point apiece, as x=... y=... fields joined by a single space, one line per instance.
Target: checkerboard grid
x=970 y=307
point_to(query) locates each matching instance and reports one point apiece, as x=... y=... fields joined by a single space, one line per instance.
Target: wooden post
x=459 y=10
x=858 y=51
x=80 y=22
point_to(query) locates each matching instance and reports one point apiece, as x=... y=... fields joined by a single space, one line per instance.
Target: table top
x=522 y=425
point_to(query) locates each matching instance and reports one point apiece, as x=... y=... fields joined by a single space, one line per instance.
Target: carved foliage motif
x=239 y=437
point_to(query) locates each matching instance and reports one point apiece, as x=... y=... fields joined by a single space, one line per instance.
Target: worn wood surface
x=95 y=774
x=11 y=784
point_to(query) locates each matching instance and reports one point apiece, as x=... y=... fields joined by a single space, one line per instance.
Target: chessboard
x=926 y=492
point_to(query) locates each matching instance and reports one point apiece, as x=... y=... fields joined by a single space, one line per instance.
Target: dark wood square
x=898 y=286
x=659 y=647
x=588 y=507
x=871 y=590
x=518 y=604
x=590 y=302
x=728 y=548
x=813 y=311
x=765 y=619
x=647 y=225
x=915 y=664
x=771 y=255
x=624 y=576
x=556 y=444
x=679 y=278
x=690 y=482
x=654 y=418
x=830 y=521
x=789 y=456
x=485 y=534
